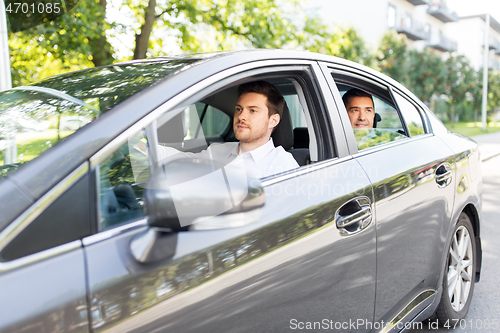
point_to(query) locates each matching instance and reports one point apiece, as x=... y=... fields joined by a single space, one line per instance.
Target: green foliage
x=430 y=77
x=415 y=129
x=366 y=138
x=473 y=128
x=65 y=44
x=81 y=38
x=493 y=89
x=210 y=25
x=343 y=42
x=426 y=74
x=392 y=56
x=474 y=95
x=459 y=78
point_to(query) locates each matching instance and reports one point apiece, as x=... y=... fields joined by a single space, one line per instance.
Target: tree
x=72 y=41
x=230 y=23
x=459 y=78
x=342 y=41
x=476 y=92
x=493 y=89
x=392 y=56
x=81 y=38
x=426 y=74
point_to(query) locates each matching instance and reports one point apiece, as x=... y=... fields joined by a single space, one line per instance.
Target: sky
x=472 y=7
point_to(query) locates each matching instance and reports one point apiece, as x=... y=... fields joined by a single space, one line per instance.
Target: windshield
x=35 y=118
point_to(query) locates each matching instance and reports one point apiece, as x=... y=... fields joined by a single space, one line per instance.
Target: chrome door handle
x=354 y=216
x=359 y=216
x=443 y=175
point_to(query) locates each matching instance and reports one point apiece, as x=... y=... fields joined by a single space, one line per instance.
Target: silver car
x=374 y=232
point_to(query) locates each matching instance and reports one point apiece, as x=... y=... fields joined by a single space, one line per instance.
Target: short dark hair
x=354 y=92
x=275 y=101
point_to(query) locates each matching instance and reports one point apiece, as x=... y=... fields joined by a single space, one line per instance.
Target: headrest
x=376 y=120
x=300 y=137
x=283 y=133
x=173 y=130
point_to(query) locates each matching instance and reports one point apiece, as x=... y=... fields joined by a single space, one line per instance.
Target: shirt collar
x=234 y=151
x=261 y=152
x=258 y=153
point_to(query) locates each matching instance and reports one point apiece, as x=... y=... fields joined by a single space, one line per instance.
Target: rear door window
x=387 y=125
x=411 y=115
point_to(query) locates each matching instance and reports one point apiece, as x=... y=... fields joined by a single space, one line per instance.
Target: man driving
x=257 y=112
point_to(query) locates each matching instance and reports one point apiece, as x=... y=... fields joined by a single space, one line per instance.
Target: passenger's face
x=361 y=112
x=251 y=122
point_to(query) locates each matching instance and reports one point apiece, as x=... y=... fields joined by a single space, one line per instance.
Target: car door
x=307 y=263
x=412 y=172
x=42 y=265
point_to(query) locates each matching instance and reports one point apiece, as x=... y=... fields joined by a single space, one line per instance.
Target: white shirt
x=263 y=161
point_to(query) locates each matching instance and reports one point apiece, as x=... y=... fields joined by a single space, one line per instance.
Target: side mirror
x=198 y=194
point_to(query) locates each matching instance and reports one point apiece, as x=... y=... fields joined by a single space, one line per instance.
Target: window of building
x=391 y=16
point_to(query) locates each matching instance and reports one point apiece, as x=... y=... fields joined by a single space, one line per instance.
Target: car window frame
x=381 y=91
x=421 y=112
x=368 y=81
x=304 y=71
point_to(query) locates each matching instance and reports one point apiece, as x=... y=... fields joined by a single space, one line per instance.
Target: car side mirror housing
x=199 y=194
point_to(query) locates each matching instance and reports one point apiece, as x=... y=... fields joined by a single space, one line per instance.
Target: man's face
x=251 y=122
x=361 y=112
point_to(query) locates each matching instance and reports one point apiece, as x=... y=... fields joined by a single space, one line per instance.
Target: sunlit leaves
x=392 y=56
x=65 y=44
x=340 y=41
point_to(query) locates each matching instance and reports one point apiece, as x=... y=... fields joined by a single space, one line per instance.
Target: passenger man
x=360 y=108
x=257 y=112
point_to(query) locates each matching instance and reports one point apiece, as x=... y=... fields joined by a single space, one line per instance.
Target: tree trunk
x=101 y=48
x=142 y=39
x=452 y=120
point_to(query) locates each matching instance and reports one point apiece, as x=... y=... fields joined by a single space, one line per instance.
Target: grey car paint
x=12 y=201
x=408 y=238
x=315 y=273
x=47 y=296
x=293 y=264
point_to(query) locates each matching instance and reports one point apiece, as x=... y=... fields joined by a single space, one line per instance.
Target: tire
x=459 y=273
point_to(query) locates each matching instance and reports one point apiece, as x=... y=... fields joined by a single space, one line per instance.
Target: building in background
x=425 y=22
x=469 y=32
x=422 y=21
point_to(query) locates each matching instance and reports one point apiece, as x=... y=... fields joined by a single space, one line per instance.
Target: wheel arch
x=473 y=214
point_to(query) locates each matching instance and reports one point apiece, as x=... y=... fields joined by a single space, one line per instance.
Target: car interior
x=192 y=128
x=198 y=125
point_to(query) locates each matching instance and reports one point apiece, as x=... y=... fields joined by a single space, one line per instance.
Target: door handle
x=354 y=216
x=359 y=216
x=444 y=175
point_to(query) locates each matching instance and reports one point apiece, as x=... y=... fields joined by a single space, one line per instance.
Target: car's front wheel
x=459 y=273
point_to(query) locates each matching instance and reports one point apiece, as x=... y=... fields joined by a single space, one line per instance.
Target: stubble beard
x=252 y=135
